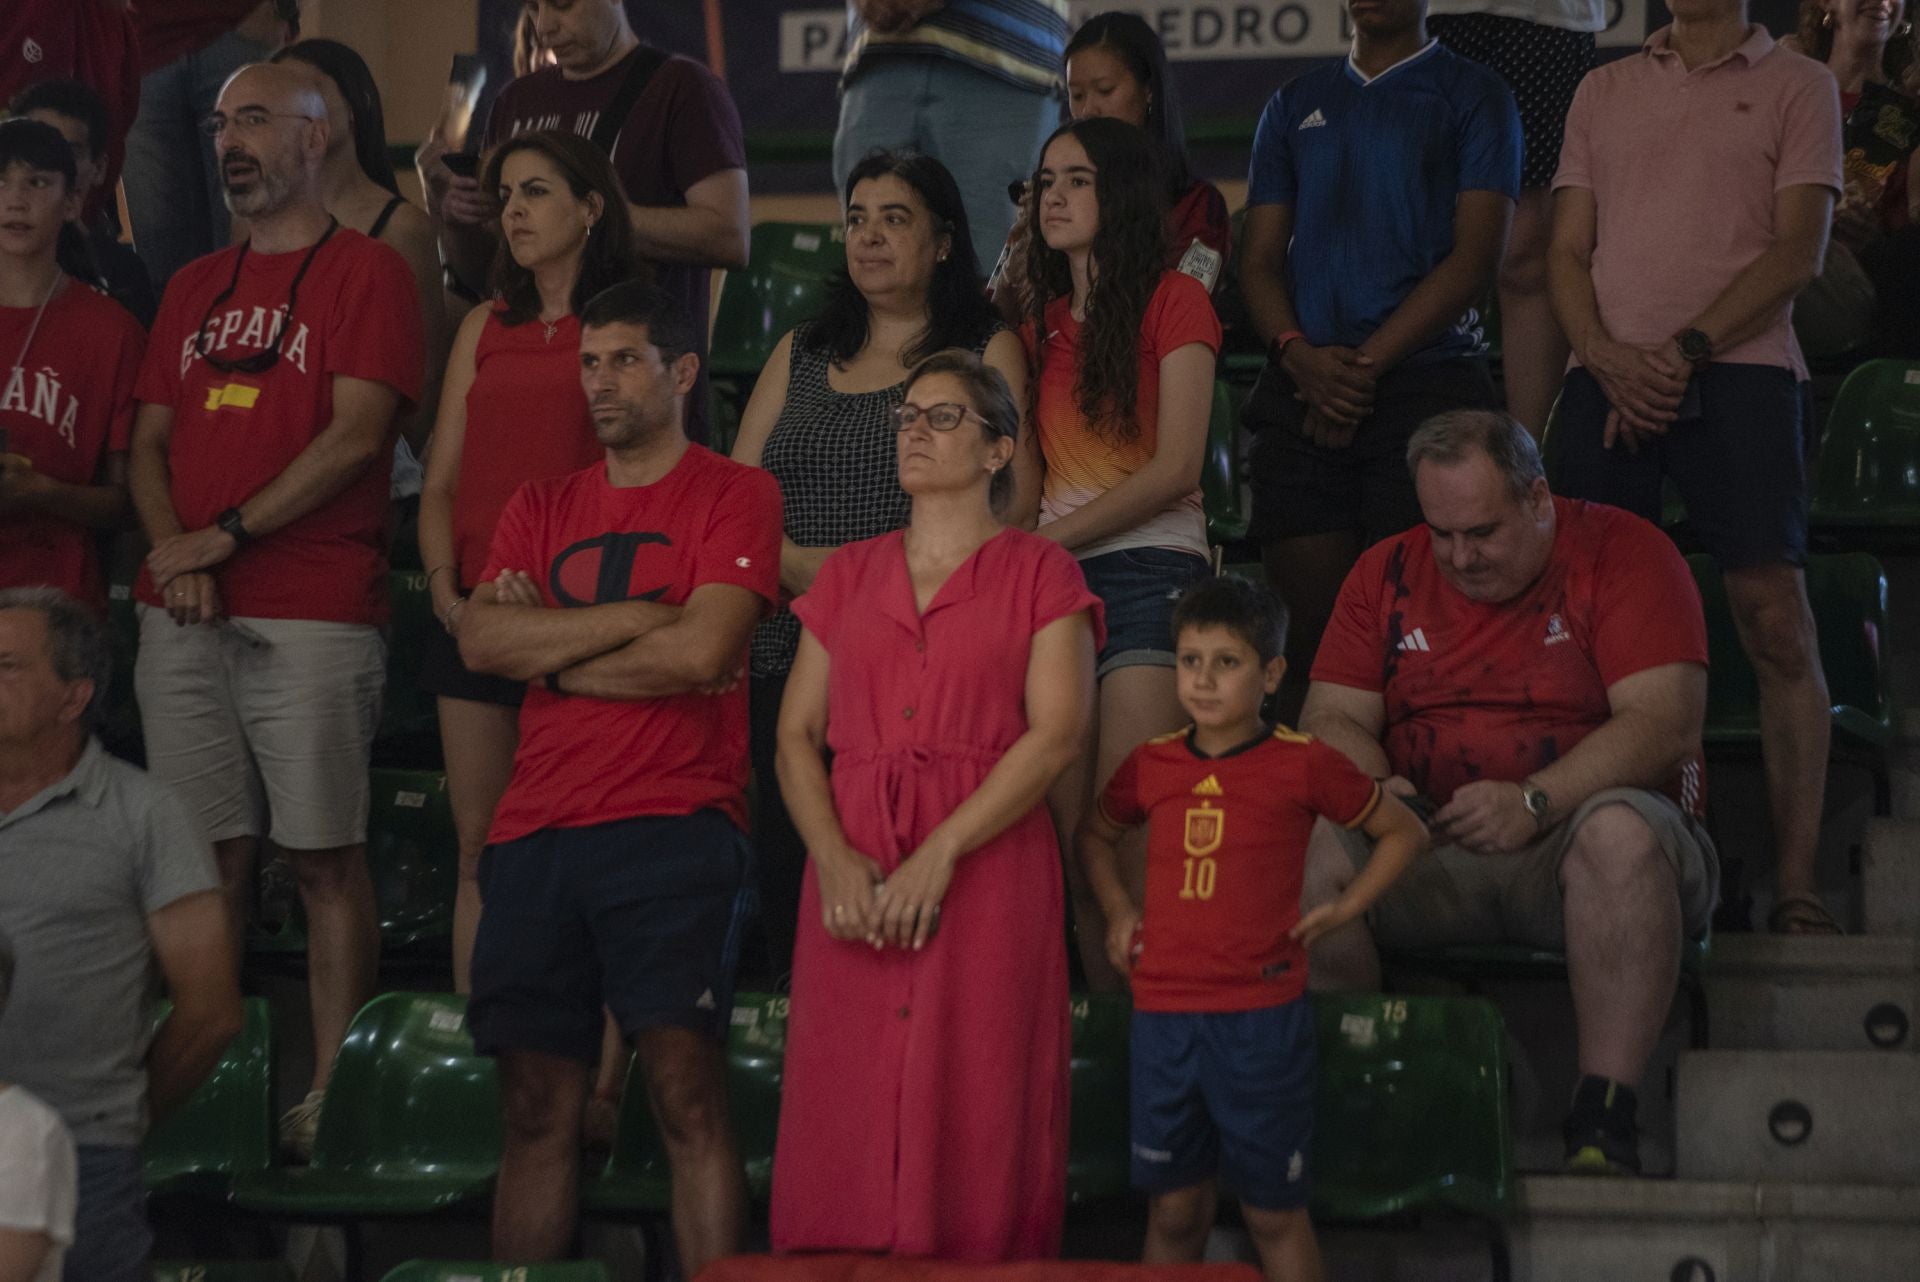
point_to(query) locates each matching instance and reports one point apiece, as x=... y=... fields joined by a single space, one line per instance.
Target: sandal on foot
x=1803 y=915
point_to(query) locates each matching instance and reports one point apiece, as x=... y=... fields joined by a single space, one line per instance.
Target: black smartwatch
x=1695 y=346
x=230 y=521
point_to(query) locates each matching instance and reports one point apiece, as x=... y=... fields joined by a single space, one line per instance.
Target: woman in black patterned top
x=820 y=421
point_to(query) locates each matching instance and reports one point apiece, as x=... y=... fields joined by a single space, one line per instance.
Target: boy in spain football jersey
x=1222 y=1057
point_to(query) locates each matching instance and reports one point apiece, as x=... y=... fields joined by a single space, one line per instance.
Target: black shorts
x=1740 y=468
x=1542 y=65
x=1300 y=488
x=444 y=673
x=641 y=916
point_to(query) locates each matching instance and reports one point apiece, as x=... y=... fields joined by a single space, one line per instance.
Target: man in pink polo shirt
x=1695 y=189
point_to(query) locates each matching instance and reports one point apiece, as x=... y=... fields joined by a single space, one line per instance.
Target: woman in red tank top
x=511 y=410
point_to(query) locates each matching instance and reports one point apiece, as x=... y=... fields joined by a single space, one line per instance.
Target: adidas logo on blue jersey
x=1314 y=120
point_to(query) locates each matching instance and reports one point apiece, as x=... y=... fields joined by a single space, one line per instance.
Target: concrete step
x=1811 y=993
x=1828 y=1117
x=1890 y=877
x=1610 y=1230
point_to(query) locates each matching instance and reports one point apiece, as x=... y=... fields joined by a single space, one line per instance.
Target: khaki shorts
x=258 y=719
x=1452 y=896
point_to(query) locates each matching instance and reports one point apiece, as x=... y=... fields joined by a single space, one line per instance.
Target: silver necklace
x=20 y=361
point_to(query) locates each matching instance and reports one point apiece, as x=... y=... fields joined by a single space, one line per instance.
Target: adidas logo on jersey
x=706 y=1001
x=1414 y=640
x=1209 y=787
x=1314 y=120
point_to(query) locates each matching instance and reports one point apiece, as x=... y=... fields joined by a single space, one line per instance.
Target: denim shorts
x=1139 y=587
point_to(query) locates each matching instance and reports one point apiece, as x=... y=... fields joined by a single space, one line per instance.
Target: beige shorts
x=264 y=719
x=1452 y=896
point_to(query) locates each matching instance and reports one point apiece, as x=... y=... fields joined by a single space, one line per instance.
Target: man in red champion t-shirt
x=1534 y=669
x=616 y=870
x=259 y=467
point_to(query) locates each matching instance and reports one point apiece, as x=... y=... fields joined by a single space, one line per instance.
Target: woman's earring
x=1826 y=20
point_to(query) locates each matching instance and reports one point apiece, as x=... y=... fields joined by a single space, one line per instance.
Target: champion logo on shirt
x=1209 y=787
x=1414 y=640
x=1557 y=632
x=1315 y=120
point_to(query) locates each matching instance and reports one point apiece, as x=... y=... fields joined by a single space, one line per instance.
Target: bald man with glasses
x=260 y=464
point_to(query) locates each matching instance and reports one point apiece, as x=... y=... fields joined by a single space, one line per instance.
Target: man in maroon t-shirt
x=679 y=154
x=1533 y=671
x=616 y=874
x=260 y=468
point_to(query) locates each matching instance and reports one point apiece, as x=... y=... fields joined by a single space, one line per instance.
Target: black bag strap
x=606 y=130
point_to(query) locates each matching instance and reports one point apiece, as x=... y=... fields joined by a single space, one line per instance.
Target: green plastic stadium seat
x=409 y=732
x=1098 y=1157
x=442 y=1271
x=637 y=1181
x=222 y=1271
x=225 y=1128
x=783 y=283
x=410 y=1125
x=1849 y=596
x=1220 y=471
x=1866 y=481
x=1411 y=1113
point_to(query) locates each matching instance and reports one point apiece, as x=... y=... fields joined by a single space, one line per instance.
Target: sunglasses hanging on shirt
x=262 y=361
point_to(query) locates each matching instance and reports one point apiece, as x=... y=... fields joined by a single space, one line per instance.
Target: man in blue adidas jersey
x=1379 y=198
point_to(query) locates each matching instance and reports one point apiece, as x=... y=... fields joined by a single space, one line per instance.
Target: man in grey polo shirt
x=105 y=887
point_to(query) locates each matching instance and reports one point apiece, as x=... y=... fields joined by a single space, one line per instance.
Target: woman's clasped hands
x=858 y=902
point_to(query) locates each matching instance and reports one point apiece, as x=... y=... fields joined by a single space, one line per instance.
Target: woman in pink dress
x=949 y=667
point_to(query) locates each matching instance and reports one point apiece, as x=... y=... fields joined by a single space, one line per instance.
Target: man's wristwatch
x=1537 y=801
x=1695 y=346
x=230 y=521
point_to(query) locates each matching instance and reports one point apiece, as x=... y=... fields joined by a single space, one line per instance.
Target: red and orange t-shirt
x=1081 y=463
x=356 y=316
x=66 y=405
x=1478 y=691
x=1226 y=852
x=584 y=761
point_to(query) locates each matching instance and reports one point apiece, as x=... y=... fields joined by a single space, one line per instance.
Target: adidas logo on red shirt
x=1414 y=640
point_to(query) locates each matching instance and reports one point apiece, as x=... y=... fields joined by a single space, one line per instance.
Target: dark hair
x=349 y=73
x=74 y=100
x=1129 y=257
x=76 y=642
x=38 y=145
x=1247 y=609
x=1816 y=38
x=1453 y=436
x=1130 y=39
x=609 y=256
x=639 y=302
x=992 y=401
x=958 y=311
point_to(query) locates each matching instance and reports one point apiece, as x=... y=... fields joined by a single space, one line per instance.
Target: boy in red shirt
x=1222 y=1056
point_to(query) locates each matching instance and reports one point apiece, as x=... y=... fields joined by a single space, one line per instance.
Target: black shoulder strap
x=606 y=130
x=380 y=223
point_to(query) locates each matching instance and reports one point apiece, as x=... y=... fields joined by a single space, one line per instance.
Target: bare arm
x=22 y=1252
x=1480 y=223
x=798 y=564
x=700 y=646
x=1186 y=403
x=1652 y=732
x=1398 y=839
x=1059 y=703
x=1336 y=382
x=710 y=230
x=1097 y=846
x=443 y=465
x=149 y=479
x=1350 y=721
x=526 y=642
x=1802 y=215
x=411 y=234
x=192 y=944
x=1264 y=280
x=1005 y=354
x=102 y=505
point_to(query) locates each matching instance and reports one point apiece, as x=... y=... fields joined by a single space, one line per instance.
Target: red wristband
x=1278 y=347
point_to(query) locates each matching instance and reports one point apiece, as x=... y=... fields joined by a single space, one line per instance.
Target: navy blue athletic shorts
x=641 y=916
x=1227 y=1093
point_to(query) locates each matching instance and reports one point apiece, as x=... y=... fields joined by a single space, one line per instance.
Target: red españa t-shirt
x=356 y=316
x=66 y=406
x=1500 y=691
x=1226 y=851
x=585 y=761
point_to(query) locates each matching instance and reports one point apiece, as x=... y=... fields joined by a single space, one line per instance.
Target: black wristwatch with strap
x=1695 y=346
x=230 y=521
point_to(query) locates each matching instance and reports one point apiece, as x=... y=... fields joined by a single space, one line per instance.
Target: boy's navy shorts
x=1227 y=1093
x=641 y=916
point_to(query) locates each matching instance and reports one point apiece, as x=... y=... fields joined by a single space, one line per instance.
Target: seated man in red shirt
x=616 y=869
x=1534 y=669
